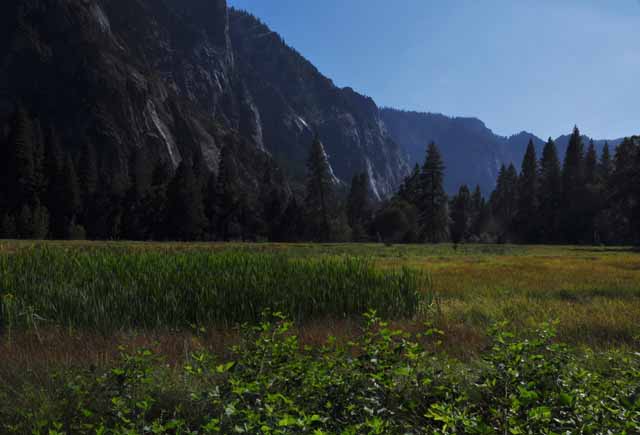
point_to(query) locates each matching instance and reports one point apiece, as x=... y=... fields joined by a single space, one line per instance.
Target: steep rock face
x=295 y=102
x=165 y=77
x=125 y=75
x=472 y=152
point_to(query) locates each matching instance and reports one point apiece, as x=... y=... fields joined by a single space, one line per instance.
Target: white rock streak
x=164 y=132
x=101 y=18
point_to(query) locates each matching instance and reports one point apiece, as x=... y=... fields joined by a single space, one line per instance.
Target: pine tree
x=22 y=180
x=4 y=180
x=525 y=220
x=211 y=207
x=591 y=164
x=550 y=193
x=39 y=163
x=461 y=215
x=410 y=189
x=269 y=205
x=136 y=225
x=186 y=216
x=593 y=198
x=574 y=223
x=605 y=167
x=358 y=206
x=320 y=197
x=55 y=192
x=33 y=222
x=8 y=228
x=25 y=222
x=480 y=213
x=71 y=200
x=273 y=209
x=635 y=193
x=228 y=198
x=291 y=227
x=157 y=203
x=623 y=191
x=477 y=199
x=88 y=171
x=504 y=201
x=603 y=220
x=40 y=222
x=433 y=205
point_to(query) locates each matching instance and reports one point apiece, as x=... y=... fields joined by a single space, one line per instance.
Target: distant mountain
x=472 y=152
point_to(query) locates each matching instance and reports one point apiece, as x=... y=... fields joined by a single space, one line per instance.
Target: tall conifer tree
x=591 y=164
x=22 y=180
x=550 y=192
x=504 y=201
x=320 y=196
x=605 y=167
x=433 y=205
x=71 y=201
x=228 y=194
x=358 y=206
x=574 y=223
x=526 y=218
x=461 y=215
x=186 y=217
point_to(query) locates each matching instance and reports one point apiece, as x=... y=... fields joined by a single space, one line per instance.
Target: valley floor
x=118 y=328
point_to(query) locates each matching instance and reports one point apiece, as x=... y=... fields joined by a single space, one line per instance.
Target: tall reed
x=110 y=290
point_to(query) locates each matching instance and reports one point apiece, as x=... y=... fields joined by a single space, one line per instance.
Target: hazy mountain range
x=472 y=152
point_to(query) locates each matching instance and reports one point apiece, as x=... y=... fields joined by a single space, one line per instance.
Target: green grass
x=109 y=289
x=593 y=292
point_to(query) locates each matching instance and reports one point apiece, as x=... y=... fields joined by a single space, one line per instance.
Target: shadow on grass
x=587 y=295
x=606 y=249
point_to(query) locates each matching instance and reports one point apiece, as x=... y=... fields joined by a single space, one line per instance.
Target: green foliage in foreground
x=385 y=383
x=109 y=290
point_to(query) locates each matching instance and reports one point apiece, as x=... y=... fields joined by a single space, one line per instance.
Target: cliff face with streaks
x=174 y=77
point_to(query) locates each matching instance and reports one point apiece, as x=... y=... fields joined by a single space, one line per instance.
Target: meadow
x=592 y=292
x=115 y=338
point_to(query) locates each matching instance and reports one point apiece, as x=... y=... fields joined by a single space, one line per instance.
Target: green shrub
x=385 y=382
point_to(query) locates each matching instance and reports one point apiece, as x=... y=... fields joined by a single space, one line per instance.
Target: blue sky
x=535 y=65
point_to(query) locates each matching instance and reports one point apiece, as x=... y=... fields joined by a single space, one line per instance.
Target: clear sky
x=535 y=65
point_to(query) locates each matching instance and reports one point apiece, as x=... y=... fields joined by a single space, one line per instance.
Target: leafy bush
x=386 y=382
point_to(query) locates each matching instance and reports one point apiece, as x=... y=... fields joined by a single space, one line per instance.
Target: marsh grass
x=109 y=290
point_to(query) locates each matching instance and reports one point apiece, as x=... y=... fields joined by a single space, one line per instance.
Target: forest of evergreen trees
x=587 y=199
x=47 y=193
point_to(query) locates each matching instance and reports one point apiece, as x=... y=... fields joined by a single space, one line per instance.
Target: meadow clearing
x=123 y=307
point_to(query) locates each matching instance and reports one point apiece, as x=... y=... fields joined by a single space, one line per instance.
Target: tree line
x=586 y=199
x=48 y=193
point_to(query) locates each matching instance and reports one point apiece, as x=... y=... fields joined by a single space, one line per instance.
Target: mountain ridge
x=472 y=152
